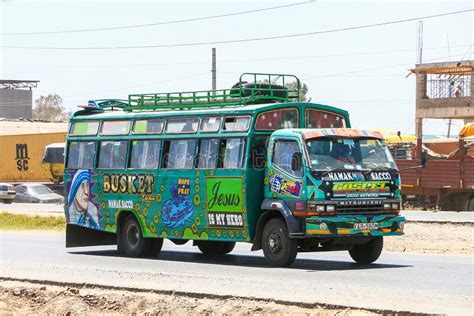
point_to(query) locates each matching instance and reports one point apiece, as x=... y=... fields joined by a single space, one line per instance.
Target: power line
x=370 y=69
x=233 y=61
x=122 y=88
x=160 y=23
x=366 y=101
x=243 y=40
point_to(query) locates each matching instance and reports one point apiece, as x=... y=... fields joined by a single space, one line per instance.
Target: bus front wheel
x=132 y=243
x=278 y=248
x=215 y=247
x=368 y=252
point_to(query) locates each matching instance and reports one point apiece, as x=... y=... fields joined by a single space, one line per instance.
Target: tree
x=303 y=89
x=50 y=108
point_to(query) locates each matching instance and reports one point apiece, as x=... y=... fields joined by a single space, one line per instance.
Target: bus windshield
x=348 y=153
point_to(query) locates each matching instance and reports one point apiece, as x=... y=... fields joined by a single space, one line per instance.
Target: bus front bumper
x=355 y=225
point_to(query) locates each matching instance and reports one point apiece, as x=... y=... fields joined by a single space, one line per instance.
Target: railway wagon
x=21 y=156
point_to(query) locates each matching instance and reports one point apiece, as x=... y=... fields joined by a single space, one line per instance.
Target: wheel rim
x=133 y=236
x=275 y=242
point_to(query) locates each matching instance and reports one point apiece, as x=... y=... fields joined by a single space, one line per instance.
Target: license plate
x=360 y=226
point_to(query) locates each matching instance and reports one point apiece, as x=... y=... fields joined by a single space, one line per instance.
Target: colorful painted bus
x=248 y=164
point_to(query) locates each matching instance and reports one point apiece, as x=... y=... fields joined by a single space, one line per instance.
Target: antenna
x=419 y=47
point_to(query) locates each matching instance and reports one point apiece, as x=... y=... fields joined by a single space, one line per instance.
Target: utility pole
x=449 y=128
x=420 y=43
x=419 y=82
x=213 y=71
x=449 y=54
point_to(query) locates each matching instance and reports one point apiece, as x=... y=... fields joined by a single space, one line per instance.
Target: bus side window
x=179 y=154
x=81 y=155
x=232 y=153
x=258 y=152
x=145 y=154
x=208 y=154
x=315 y=118
x=112 y=154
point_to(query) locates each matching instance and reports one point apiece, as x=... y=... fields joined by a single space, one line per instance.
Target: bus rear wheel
x=368 y=252
x=132 y=243
x=215 y=247
x=278 y=248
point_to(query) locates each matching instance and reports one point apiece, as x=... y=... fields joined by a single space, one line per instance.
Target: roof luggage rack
x=252 y=88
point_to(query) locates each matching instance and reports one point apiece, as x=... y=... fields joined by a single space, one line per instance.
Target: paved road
x=419 y=216
x=400 y=281
x=427 y=216
x=42 y=209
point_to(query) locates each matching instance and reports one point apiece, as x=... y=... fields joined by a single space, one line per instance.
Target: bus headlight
x=320 y=208
x=330 y=208
x=395 y=206
x=387 y=206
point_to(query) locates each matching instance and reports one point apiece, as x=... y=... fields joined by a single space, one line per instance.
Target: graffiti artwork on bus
x=178 y=210
x=81 y=208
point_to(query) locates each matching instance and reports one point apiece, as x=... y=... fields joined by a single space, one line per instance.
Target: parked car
x=36 y=193
x=7 y=193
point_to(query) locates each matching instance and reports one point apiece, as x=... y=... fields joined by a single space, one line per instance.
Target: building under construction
x=443 y=91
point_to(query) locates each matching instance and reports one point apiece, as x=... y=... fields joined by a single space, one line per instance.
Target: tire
x=470 y=206
x=263 y=89
x=153 y=247
x=8 y=201
x=278 y=248
x=368 y=252
x=131 y=241
x=215 y=248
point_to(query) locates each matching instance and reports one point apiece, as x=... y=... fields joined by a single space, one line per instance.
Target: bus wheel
x=278 y=248
x=368 y=252
x=131 y=240
x=470 y=204
x=152 y=247
x=215 y=247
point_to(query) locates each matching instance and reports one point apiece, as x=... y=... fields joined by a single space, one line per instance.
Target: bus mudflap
x=79 y=236
x=355 y=225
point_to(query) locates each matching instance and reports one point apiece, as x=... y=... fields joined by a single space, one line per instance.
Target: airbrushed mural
x=81 y=210
x=168 y=206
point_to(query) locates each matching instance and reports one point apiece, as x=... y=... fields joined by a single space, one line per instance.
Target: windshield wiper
x=380 y=168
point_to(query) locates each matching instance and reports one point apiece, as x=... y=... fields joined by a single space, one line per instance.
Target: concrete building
x=16 y=98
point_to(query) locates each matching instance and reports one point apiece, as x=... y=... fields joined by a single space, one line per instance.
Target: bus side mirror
x=296 y=161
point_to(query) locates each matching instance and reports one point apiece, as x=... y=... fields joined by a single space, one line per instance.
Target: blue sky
x=362 y=71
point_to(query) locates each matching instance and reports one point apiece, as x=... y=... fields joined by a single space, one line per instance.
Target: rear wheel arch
x=120 y=219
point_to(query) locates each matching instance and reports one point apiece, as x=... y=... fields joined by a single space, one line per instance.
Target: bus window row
x=177 y=125
x=266 y=121
x=213 y=153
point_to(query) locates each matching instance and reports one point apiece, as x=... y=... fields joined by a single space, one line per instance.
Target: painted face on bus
x=82 y=197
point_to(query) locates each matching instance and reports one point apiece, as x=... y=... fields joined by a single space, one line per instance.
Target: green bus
x=248 y=164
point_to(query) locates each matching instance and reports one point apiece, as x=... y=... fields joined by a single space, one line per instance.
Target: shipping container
x=21 y=156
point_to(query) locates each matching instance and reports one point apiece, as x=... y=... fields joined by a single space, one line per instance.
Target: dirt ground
x=22 y=298
x=443 y=238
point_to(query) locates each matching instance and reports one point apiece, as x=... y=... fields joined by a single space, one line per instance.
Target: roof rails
x=252 y=88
